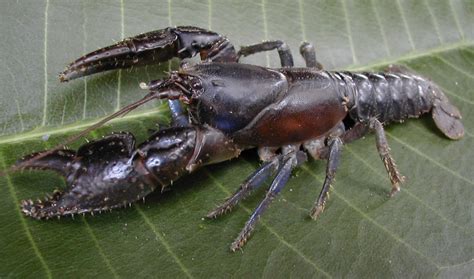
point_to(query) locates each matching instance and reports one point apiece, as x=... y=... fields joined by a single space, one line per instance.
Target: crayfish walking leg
x=253 y=182
x=286 y=59
x=309 y=54
x=335 y=148
x=287 y=161
x=384 y=151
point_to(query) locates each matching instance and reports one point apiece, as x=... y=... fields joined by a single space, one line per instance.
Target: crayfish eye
x=196 y=84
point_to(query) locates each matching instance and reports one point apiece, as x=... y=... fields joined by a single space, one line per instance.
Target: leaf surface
x=426 y=230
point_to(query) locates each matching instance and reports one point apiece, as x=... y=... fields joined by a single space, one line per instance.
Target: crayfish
x=286 y=113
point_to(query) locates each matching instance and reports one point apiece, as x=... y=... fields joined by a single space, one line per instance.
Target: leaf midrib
x=59 y=130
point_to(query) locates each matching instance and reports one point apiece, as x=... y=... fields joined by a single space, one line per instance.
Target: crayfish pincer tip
x=62 y=77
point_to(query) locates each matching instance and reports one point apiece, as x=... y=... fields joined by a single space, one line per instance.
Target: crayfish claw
x=152 y=48
x=43 y=209
x=57 y=161
x=147 y=48
x=112 y=172
x=99 y=176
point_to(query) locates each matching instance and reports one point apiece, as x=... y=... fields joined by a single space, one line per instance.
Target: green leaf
x=426 y=230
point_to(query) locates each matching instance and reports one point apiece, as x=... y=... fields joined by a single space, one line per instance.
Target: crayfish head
x=178 y=86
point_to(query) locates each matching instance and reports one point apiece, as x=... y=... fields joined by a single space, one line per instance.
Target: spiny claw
x=111 y=172
x=152 y=48
x=99 y=176
x=56 y=161
x=43 y=208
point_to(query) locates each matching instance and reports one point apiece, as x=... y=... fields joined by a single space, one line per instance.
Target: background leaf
x=426 y=230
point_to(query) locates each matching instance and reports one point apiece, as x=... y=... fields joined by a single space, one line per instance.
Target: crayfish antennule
x=144 y=86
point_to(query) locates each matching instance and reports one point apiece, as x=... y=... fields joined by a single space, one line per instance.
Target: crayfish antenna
x=40 y=155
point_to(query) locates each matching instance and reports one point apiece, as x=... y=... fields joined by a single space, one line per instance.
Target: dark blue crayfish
x=286 y=113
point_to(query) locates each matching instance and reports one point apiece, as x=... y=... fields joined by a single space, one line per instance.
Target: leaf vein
x=99 y=249
x=458 y=69
x=20 y=117
x=163 y=241
x=456 y=265
x=450 y=93
x=23 y=222
x=455 y=174
x=413 y=196
x=349 y=32
x=456 y=19
x=265 y=29
x=405 y=23
x=375 y=223
x=209 y=14
x=45 y=55
x=170 y=24
x=84 y=47
x=302 y=25
x=435 y=22
x=379 y=23
x=64 y=112
x=22 y=125
x=36 y=134
x=122 y=35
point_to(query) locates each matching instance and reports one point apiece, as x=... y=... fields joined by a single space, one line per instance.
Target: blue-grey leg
x=284 y=52
x=335 y=148
x=309 y=54
x=254 y=181
x=178 y=117
x=284 y=172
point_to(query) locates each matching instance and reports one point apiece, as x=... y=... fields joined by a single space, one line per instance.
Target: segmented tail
x=399 y=94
